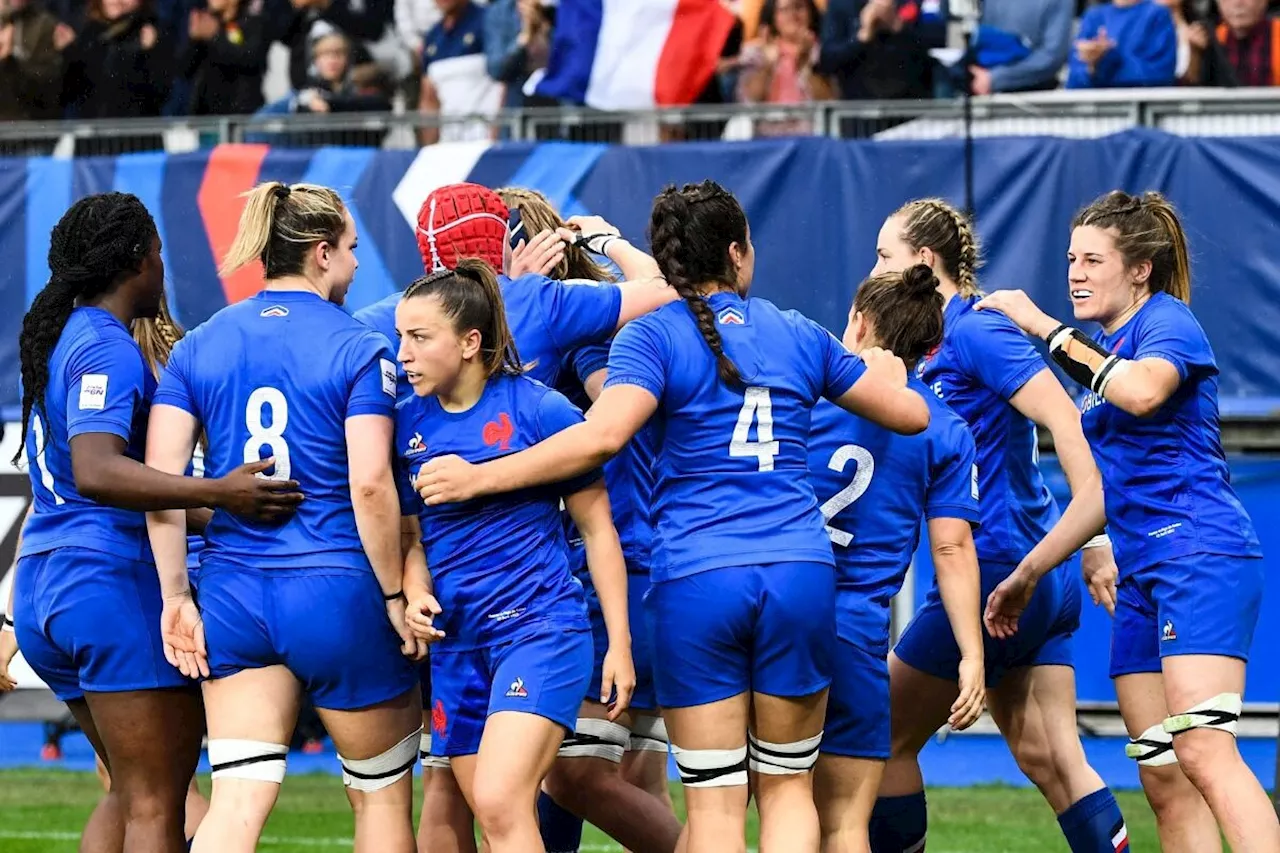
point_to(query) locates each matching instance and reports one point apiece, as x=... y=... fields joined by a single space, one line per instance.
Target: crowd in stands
x=130 y=58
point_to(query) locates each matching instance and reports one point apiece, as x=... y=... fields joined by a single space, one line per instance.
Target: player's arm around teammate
x=514 y=662
x=995 y=380
x=287 y=613
x=1188 y=598
x=874 y=488
x=590 y=779
x=702 y=244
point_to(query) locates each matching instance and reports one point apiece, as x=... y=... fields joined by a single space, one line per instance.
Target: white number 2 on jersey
x=757 y=407
x=272 y=436
x=864 y=468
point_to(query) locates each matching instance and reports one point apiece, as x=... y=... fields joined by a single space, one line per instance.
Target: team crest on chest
x=499 y=432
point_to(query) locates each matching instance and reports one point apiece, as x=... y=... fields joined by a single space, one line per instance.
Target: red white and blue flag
x=634 y=54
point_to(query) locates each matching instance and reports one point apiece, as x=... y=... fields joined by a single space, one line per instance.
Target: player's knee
x=711 y=768
x=782 y=759
x=369 y=775
x=493 y=798
x=1198 y=736
x=1168 y=791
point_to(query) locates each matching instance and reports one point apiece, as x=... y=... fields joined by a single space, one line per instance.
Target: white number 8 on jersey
x=272 y=436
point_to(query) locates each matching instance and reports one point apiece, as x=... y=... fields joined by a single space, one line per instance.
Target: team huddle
x=405 y=517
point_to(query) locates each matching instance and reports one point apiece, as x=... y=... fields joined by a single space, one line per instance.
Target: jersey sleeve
x=953 y=478
x=578 y=312
x=555 y=414
x=373 y=391
x=588 y=360
x=998 y=353
x=1172 y=333
x=106 y=382
x=639 y=356
x=175 y=384
x=840 y=369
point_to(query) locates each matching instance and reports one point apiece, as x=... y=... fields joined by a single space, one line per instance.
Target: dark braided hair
x=101 y=239
x=690 y=231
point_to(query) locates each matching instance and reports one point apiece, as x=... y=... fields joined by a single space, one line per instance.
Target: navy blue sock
x=899 y=824
x=1094 y=824
x=190 y=841
x=561 y=831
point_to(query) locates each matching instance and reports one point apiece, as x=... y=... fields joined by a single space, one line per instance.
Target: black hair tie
x=281 y=192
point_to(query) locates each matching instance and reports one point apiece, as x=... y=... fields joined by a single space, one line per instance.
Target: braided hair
x=691 y=230
x=934 y=224
x=99 y=240
x=156 y=337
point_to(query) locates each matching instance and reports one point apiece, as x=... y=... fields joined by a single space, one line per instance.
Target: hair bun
x=919 y=280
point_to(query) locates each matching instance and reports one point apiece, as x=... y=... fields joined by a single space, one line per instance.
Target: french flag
x=633 y=54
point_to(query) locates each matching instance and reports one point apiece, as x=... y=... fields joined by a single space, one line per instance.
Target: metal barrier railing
x=1192 y=112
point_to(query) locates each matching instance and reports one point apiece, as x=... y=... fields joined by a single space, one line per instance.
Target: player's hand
x=968 y=706
x=247 y=492
x=1100 y=574
x=1018 y=307
x=447 y=480
x=590 y=231
x=540 y=256
x=421 y=615
x=885 y=365
x=619 y=675
x=182 y=631
x=8 y=651
x=1006 y=603
x=396 y=615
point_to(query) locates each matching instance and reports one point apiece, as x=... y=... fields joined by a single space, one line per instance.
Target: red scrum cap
x=460 y=221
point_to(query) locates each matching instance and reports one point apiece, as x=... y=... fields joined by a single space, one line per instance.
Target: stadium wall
x=815 y=206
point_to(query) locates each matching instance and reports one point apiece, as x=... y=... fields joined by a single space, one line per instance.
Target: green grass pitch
x=42 y=811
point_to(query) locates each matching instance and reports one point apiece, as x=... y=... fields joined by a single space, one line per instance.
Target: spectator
x=1193 y=41
x=777 y=67
x=413 y=18
x=336 y=86
x=517 y=42
x=226 y=57
x=117 y=67
x=1020 y=45
x=1250 y=43
x=1125 y=43
x=873 y=50
x=31 y=43
x=303 y=21
x=454 y=79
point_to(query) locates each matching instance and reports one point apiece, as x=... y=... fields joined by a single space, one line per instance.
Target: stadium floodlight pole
x=968 y=13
